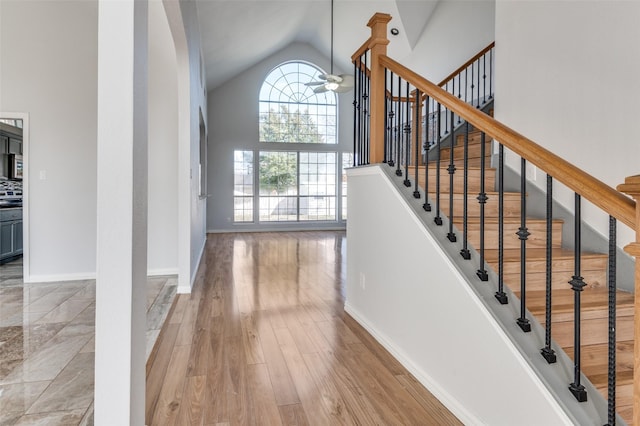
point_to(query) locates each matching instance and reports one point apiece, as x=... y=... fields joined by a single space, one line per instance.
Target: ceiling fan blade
x=343 y=89
x=314 y=83
x=347 y=80
x=320 y=89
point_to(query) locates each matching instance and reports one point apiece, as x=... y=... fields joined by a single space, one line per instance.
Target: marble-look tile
x=7 y=366
x=90 y=346
x=9 y=418
x=88 y=316
x=156 y=316
x=66 y=311
x=87 y=419
x=17 y=398
x=36 y=335
x=47 y=362
x=152 y=336
x=166 y=295
x=51 y=301
x=61 y=418
x=71 y=389
x=86 y=292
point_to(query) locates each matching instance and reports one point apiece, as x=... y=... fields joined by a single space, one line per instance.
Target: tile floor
x=47 y=346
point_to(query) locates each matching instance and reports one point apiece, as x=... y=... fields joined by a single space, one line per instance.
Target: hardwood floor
x=263 y=339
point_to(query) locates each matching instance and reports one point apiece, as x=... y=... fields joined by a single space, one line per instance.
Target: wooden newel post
x=631 y=186
x=378 y=46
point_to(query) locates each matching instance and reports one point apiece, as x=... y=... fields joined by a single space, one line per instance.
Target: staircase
x=569 y=288
x=594 y=271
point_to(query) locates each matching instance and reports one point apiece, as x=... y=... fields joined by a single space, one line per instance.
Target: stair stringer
x=425 y=304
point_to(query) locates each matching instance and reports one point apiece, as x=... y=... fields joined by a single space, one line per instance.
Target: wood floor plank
x=306 y=388
x=293 y=415
x=265 y=410
x=158 y=367
x=281 y=380
x=264 y=339
x=173 y=387
x=192 y=408
x=439 y=413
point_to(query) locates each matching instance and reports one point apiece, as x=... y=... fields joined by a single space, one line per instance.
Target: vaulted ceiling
x=237 y=34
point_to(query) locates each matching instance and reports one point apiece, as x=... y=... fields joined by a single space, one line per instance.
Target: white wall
x=163 y=145
x=566 y=76
x=427 y=315
x=455 y=32
x=192 y=101
x=49 y=70
x=233 y=119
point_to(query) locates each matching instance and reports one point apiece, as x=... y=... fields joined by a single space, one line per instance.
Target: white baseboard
x=160 y=271
x=59 y=277
x=425 y=379
x=88 y=276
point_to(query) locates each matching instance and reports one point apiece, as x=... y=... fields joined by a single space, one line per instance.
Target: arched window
x=292 y=112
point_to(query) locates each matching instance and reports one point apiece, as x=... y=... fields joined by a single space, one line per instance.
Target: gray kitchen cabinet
x=10 y=233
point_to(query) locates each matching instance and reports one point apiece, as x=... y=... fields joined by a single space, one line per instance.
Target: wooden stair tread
x=594 y=359
x=508 y=219
x=491 y=255
x=443 y=168
x=594 y=299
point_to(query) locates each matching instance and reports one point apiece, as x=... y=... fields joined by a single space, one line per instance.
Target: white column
x=122 y=213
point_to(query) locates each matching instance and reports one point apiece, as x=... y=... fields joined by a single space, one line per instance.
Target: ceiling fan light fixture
x=331 y=85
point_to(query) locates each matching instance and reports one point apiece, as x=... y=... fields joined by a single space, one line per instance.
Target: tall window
x=292 y=112
x=243 y=186
x=295 y=183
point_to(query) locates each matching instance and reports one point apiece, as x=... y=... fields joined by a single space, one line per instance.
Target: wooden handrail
x=466 y=64
x=361 y=50
x=594 y=190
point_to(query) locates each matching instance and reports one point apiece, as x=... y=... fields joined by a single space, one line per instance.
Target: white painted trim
x=61 y=277
x=195 y=270
x=241 y=229
x=159 y=272
x=426 y=380
x=26 y=247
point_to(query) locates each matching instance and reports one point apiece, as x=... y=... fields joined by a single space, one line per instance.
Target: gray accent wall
x=233 y=124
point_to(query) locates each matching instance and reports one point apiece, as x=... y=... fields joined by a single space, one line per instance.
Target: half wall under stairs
x=428 y=308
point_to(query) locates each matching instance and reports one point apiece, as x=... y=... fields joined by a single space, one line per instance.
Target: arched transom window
x=292 y=112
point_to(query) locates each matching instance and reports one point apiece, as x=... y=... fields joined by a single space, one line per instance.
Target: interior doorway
x=14 y=135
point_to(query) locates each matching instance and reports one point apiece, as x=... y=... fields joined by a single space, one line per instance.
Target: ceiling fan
x=332 y=82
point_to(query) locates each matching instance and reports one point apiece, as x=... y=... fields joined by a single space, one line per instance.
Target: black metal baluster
x=398 y=127
x=611 y=375
x=365 y=114
x=390 y=162
x=466 y=84
x=548 y=353
x=459 y=94
x=484 y=78
x=386 y=111
x=426 y=206
x=416 y=126
x=490 y=73
x=361 y=123
x=438 y=219
x=446 y=115
x=356 y=112
x=482 y=199
x=465 y=253
x=500 y=294
x=577 y=285
x=367 y=117
x=478 y=106
x=472 y=84
x=452 y=170
x=407 y=138
x=523 y=234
